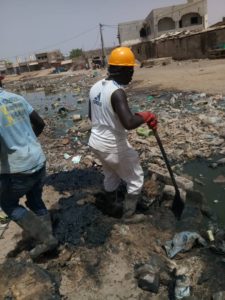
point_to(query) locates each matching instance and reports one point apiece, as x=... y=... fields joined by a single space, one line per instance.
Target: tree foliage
x=76 y=53
x=8 y=63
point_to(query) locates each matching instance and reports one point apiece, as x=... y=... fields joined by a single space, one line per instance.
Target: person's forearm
x=132 y=122
x=38 y=129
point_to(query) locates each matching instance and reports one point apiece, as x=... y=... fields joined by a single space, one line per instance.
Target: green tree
x=8 y=63
x=76 y=53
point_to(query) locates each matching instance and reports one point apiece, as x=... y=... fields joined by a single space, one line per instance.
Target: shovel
x=178 y=204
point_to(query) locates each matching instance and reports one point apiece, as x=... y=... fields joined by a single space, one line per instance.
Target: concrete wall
x=129 y=32
x=144 y=51
x=187 y=47
x=192 y=15
x=193 y=46
x=55 y=56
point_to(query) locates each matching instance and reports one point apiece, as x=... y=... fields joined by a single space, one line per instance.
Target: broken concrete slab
x=163 y=175
x=156 y=61
x=169 y=193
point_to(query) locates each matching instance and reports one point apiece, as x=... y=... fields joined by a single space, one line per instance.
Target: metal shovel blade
x=177 y=206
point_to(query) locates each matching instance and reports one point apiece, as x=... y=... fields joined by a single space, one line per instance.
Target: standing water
x=204 y=177
x=51 y=104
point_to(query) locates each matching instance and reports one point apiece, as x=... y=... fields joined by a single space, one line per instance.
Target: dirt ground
x=198 y=75
x=103 y=267
x=192 y=75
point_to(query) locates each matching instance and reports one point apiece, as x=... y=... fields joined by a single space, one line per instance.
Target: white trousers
x=124 y=165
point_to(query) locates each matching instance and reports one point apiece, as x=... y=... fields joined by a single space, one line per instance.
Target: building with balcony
x=191 y=16
x=49 y=59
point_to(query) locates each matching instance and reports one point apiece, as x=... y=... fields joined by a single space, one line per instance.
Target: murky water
x=50 y=105
x=213 y=192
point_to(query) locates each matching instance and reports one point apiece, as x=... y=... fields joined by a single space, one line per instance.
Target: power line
x=53 y=45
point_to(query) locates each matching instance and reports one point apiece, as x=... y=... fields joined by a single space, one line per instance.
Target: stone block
x=164 y=176
x=149 y=282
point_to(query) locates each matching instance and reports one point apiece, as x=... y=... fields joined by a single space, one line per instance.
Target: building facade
x=192 y=15
x=2 y=67
x=129 y=33
x=49 y=59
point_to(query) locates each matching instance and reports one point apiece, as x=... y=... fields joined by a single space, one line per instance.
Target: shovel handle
x=166 y=161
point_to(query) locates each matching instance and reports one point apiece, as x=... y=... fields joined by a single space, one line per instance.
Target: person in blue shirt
x=22 y=169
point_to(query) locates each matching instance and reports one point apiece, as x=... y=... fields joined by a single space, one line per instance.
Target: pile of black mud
x=77 y=225
x=88 y=224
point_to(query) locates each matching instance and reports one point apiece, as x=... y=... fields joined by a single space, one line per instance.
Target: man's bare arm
x=37 y=123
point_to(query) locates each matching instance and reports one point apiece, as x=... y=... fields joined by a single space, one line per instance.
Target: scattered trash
x=210 y=235
x=3 y=217
x=148 y=278
x=145 y=132
x=65 y=141
x=66 y=155
x=76 y=117
x=183 y=242
x=136 y=108
x=182 y=288
x=149 y=282
x=218 y=244
x=55 y=105
x=76 y=159
x=62 y=111
x=150 y=98
x=219 y=179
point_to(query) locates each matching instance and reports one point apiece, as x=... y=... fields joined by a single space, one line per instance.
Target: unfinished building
x=49 y=59
x=191 y=16
x=129 y=32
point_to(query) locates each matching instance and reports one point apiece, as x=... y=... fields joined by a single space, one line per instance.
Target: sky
x=29 y=26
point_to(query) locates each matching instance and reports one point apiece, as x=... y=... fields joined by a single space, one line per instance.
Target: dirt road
x=206 y=76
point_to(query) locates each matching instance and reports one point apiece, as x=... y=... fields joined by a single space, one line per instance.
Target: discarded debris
x=182 y=286
x=76 y=159
x=183 y=242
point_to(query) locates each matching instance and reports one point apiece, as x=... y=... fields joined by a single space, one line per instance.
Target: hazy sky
x=29 y=26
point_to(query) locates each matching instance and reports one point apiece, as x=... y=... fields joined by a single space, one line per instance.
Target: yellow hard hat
x=122 y=56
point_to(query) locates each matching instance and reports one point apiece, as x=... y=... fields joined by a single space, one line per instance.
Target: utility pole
x=103 y=48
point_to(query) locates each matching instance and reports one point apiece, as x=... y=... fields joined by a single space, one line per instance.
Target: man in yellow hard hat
x=111 y=118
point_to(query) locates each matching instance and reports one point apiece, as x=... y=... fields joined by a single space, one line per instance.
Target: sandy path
x=203 y=76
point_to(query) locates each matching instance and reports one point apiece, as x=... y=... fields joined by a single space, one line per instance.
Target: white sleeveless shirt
x=107 y=134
